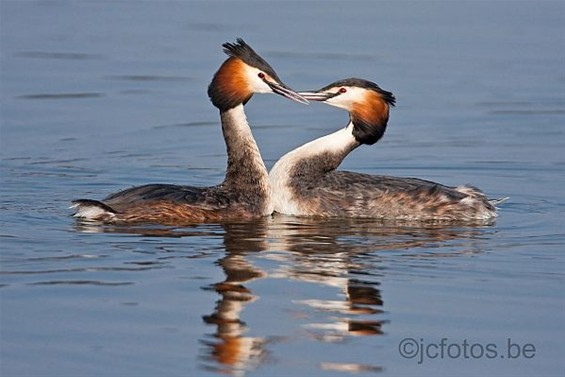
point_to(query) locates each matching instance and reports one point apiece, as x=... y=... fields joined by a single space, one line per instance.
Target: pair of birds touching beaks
x=304 y=182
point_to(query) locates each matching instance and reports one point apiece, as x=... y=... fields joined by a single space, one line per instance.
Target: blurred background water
x=97 y=96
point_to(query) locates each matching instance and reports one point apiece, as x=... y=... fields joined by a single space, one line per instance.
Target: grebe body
x=245 y=191
x=306 y=181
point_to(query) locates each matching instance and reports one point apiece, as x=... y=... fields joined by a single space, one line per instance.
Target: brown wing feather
x=165 y=212
x=348 y=194
x=175 y=204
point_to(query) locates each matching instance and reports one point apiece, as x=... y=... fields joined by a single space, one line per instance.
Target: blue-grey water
x=97 y=96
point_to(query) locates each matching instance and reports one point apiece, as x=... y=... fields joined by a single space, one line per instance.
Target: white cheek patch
x=256 y=83
x=347 y=100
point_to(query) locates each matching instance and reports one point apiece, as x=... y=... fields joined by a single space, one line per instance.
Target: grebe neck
x=321 y=155
x=308 y=163
x=246 y=169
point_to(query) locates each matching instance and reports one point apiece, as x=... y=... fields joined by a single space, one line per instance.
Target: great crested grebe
x=306 y=183
x=245 y=191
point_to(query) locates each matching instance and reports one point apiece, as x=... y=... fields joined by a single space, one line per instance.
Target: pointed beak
x=317 y=96
x=285 y=91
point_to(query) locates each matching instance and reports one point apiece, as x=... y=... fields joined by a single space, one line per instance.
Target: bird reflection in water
x=342 y=254
x=324 y=252
x=228 y=346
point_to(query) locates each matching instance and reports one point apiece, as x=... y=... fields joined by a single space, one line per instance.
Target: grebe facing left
x=306 y=183
x=245 y=191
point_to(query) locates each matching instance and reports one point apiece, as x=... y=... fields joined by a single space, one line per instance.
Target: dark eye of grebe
x=261 y=75
x=342 y=90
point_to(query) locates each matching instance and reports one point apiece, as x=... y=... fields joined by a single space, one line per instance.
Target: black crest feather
x=243 y=51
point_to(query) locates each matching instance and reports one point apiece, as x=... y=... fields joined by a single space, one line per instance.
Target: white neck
x=339 y=143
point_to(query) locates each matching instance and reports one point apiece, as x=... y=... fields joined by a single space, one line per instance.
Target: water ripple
x=323 y=55
x=149 y=78
x=82 y=282
x=57 y=55
x=58 y=96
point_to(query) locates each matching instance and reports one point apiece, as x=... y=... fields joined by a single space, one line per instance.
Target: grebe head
x=368 y=105
x=243 y=74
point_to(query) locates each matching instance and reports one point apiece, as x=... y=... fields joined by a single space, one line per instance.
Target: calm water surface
x=100 y=96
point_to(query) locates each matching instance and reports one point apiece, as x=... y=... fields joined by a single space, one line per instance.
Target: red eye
x=342 y=90
x=261 y=75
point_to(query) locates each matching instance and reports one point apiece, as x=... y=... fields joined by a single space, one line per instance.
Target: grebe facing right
x=245 y=191
x=306 y=183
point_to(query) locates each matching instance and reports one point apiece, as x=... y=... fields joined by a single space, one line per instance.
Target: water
x=100 y=96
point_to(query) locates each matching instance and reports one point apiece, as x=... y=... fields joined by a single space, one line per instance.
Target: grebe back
x=245 y=191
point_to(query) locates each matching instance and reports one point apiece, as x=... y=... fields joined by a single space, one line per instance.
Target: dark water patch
x=83 y=269
x=130 y=303
x=505 y=167
x=17 y=159
x=322 y=55
x=272 y=126
x=68 y=174
x=64 y=162
x=182 y=166
x=187 y=124
x=57 y=55
x=528 y=112
x=59 y=96
x=505 y=103
x=215 y=27
x=65 y=257
x=146 y=263
x=126 y=154
x=56 y=169
x=135 y=91
x=524 y=107
x=149 y=78
x=118 y=152
x=83 y=282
